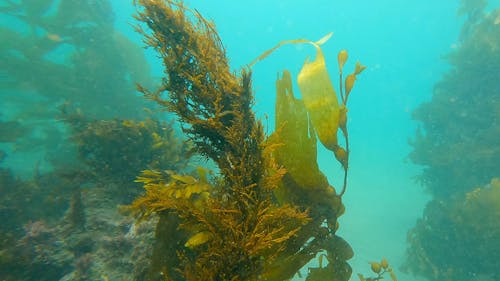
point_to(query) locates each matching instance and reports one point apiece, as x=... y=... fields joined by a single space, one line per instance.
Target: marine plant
x=325 y=114
x=457 y=143
x=258 y=218
x=456 y=239
x=64 y=52
x=10 y=131
x=68 y=51
x=27 y=210
x=117 y=150
x=58 y=55
x=73 y=229
x=458 y=146
x=380 y=268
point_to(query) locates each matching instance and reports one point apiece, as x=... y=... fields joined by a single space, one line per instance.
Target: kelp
x=10 y=131
x=298 y=123
x=68 y=51
x=325 y=113
x=119 y=149
x=264 y=215
x=297 y=138
x=214 y=106
x=454 y=240
x=381 y=269
x=63 y=52
x=457 y=144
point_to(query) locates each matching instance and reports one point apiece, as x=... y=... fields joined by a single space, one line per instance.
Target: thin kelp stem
x=346 y=136
x=344 y=186
x=341 y=89
x=295 y=41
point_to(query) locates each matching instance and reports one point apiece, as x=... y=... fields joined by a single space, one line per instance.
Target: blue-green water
x=402 y=43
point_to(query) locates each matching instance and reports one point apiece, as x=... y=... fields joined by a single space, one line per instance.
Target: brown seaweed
x=259 y=218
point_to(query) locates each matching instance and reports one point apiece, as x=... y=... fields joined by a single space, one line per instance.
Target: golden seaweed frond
x=380 y=269
x=223 y=235
x=176 y=193
x=239 y=249
x=274 y=227
x=213 y=104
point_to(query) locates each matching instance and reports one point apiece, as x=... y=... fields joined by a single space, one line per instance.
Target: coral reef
x=458 y=146
x=258 y=218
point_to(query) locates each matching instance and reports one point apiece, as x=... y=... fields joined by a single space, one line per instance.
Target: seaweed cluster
x=62 y=222
x=456 y=239
x=91 y=240
x=117 y=150
x=458 y=140
x=67 y=51
x=459 y=149
x=78 y=205
x=44 y=196
x=63 y=52
x=381 y=269
x=259 y=217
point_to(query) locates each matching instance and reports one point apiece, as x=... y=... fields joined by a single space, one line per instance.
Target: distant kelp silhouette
x=65 y=52
x=64 y=61
x=458 y=146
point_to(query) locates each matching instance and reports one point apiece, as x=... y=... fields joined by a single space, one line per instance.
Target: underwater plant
x=456 y=239
x=259 y=217
x=325 y=114
x=10 y=131
x=118 y=150
x=57 y=57
x=457 y=143
x=73 y=229
x=380 y=268
x=68 y=51
x=63 y=52
x=458 y=146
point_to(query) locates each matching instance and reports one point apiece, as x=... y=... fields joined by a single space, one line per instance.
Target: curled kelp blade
x=320 y=99
x=317 y=92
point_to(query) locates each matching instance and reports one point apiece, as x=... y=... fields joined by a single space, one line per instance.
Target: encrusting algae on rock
x=269 y=210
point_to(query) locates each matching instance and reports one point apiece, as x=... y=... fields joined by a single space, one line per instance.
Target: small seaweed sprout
x=379 y=268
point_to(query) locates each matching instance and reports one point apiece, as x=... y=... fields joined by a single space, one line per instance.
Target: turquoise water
x=403 y=45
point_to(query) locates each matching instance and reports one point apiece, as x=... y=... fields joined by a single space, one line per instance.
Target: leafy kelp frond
x=220 y=236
